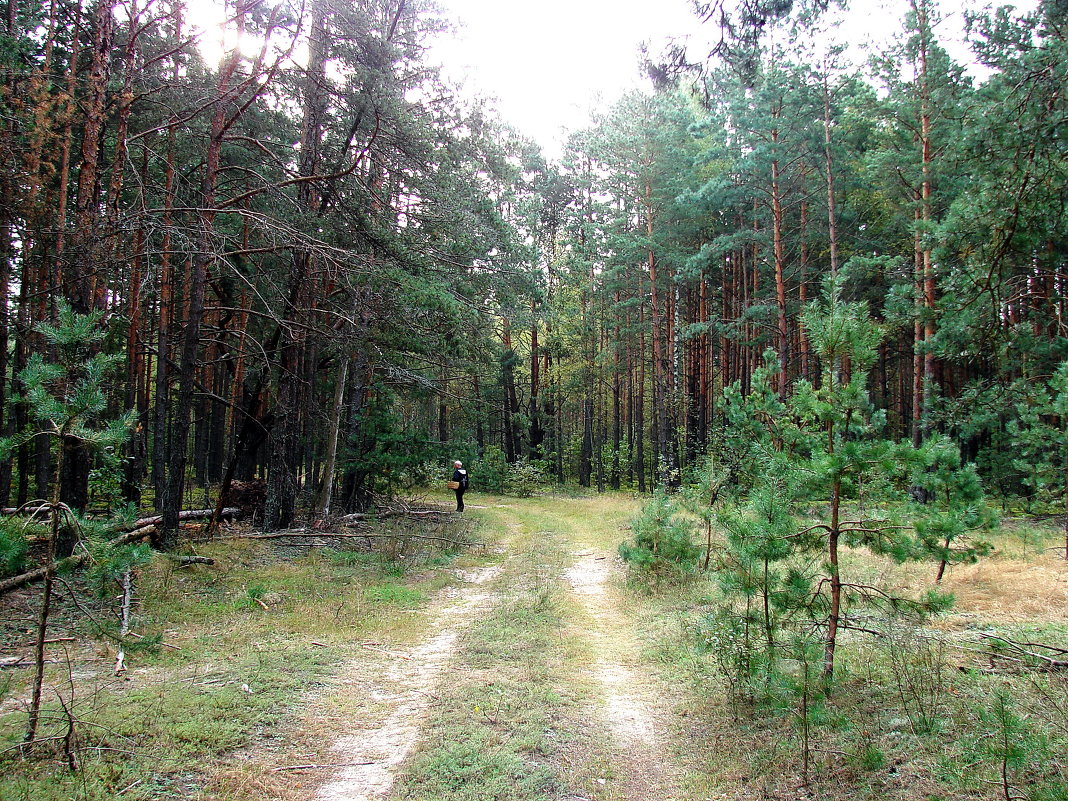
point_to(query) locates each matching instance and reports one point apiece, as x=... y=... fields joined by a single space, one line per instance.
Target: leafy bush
x=494 y=474
x=524 y=479
x=663 y=546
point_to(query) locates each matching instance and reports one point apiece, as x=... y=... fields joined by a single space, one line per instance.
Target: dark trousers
x=459 y=500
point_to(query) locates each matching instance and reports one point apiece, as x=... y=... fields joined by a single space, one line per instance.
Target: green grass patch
x=395 y=594
x=245 y=638
x=496 y=733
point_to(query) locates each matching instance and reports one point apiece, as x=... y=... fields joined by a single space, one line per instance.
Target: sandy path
x=403 y=691
x=643 y=768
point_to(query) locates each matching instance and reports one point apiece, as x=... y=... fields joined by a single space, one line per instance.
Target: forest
x=316 y=265
x=301 y=273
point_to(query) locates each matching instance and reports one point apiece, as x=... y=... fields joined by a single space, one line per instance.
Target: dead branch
x=20 y=662
x=191 y=560
x=29 y=508
x=1026 y=653
x=318 y=767
x=164 y=644
x=421 y=513
x=229 y=512
x=384 y=512
x=69 y=739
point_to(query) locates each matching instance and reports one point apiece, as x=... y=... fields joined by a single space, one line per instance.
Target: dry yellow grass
x=1012 y=590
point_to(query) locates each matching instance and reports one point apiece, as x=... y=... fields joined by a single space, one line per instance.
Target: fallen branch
x=30 y=508
x=296 y=532
x=189 y=514
x=1024 y=653
x=20 y=662
x=386 y=513
x=164 y=644
x=191 y=560
x=318 y=767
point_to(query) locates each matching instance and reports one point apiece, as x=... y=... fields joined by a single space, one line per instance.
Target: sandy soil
x=643 y=768
x=403 y=691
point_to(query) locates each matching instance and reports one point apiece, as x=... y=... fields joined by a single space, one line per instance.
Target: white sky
x=549 y=62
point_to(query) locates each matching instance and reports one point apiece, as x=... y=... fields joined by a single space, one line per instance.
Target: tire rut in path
x=372 y=756
x=640 y=757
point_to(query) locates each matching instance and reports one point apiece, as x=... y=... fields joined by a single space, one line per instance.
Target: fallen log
x=33 y=507
x=229 y=512
x=71 y=562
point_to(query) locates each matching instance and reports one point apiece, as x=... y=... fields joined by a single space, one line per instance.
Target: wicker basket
x=453 y=485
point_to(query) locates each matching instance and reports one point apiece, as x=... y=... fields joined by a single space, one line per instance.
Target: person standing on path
x=459 y=479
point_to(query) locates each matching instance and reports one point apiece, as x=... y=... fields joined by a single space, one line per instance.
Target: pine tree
x=67 y=402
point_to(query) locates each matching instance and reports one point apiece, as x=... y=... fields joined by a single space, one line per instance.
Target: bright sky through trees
x=549 y=63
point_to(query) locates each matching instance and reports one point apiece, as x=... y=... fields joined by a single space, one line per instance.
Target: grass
x=515 y=724
x=514 y=718
x=865 y=744
x=496 y=730
x=247 y=640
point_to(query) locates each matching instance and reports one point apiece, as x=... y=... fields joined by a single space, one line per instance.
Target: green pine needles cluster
x=65 y=387
x=794 y=483
x=663 y=549
x=797 y=487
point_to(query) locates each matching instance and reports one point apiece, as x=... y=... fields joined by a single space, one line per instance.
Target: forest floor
x=526 y=669
x=529 y=681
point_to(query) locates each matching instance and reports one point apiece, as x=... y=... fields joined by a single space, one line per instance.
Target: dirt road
x=606 y=724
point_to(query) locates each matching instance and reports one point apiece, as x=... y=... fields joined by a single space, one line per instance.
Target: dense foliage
x=319 y=267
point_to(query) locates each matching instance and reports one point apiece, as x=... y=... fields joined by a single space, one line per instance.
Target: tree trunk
x=178 y=444
x=326 y=493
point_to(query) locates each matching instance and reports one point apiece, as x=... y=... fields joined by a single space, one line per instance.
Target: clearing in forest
x=528 y=682
x=530 y=671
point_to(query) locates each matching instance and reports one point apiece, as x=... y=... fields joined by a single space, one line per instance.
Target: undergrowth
x=919 y=712
x=242 y=642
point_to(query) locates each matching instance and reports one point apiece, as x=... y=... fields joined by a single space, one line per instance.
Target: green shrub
x=492 y=470
x=13 y=547
x=663 y=545
x=524 y=479
x=493 y=474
